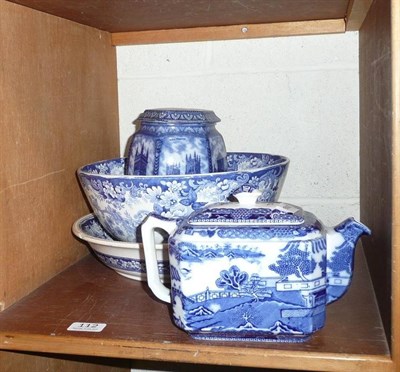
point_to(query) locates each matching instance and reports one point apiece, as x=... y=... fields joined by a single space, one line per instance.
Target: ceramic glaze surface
x=121 y=202
x=250 y=291
x=127 y=259
x=272 y=215
x=271 y=269
x=177 y=141
x=262 y=283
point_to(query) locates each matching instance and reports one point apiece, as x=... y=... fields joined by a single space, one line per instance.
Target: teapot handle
x=153 y=277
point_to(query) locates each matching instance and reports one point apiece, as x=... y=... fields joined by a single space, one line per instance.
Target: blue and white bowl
x=127 y=259
x=121 y=202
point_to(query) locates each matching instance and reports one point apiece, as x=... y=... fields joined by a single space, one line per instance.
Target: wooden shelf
x=139 y=326
x=60 y=84
x=132 y=22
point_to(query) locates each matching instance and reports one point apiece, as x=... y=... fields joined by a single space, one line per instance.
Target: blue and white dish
x=176 y=141
x=121 y=202
x=126 y=259
x=252 y=271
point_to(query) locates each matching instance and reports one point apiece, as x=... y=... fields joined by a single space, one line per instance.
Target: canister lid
x=179 y=115
x=247 y=211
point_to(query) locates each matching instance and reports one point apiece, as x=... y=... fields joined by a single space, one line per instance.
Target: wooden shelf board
x=132 y=15
x=241 y=31
x=356 y=14
x=139 y=326
x=132 y=22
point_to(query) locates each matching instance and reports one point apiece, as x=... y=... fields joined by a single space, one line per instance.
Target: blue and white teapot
x=252 y=271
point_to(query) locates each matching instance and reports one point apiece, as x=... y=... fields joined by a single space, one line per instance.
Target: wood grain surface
x=140 y=327
x=376 y=150
x=58 y=102
x=132 y=15
x=58 y=111
x=395 y=54
x=239 y=31
x=356 y=14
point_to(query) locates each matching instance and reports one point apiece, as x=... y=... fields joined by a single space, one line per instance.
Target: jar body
x=173 y=142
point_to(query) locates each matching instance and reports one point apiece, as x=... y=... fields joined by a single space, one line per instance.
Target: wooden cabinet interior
x=57 y=88
x=135 y=16
x=59 y=111
x=133 y=22
x=375 y=155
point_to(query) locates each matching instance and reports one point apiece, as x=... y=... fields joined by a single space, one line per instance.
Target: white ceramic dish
x=126 y=258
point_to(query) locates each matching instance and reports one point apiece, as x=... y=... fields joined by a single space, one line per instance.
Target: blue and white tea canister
x=177 y=141
x=252 y=271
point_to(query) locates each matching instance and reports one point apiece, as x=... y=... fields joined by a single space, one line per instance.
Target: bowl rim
x=79 y=233
x=282 y=160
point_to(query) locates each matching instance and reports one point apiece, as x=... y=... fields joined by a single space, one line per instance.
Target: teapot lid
x=249 y=212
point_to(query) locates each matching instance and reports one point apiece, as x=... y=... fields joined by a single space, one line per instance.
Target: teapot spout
x=341 y=242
